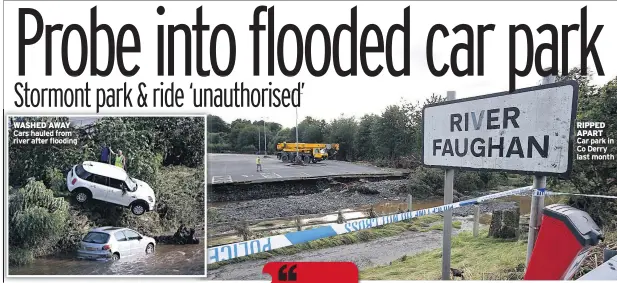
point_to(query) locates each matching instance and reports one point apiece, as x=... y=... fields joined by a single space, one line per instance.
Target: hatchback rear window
x=81 y=172
x=96 y=238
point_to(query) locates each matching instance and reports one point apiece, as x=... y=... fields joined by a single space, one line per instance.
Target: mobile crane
x=308 y=152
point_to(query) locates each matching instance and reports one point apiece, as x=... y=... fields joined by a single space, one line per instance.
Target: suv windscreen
x=81 y=172
x=96 y=238
x=131 y=184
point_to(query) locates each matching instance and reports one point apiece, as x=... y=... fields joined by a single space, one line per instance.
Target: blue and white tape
x=547 y=193
x=540 y=192
x=241 y=249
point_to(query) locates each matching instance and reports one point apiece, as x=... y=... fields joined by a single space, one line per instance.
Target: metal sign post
x=537 y=202
x=259 y=141
x=448 y=197
x=265 y=137
x=297 y=148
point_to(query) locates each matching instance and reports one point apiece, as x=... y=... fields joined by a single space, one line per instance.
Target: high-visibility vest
x=258 y=161
x=119 y=161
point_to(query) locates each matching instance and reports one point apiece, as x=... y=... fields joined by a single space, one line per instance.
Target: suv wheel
x=138 y=208
x=115 y=256
x=82 y=196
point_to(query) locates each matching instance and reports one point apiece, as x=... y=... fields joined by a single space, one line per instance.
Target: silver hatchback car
x=113 y=243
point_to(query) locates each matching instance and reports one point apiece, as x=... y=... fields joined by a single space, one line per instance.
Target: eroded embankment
x=331 y=197
x=283 y=188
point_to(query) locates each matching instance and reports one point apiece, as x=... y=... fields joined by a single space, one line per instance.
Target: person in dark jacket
x=105 y=153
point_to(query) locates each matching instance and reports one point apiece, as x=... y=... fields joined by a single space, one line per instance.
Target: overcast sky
x=330 y=96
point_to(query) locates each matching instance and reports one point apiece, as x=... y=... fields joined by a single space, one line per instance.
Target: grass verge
x=421 y=224
x=595 y=257
x=480 y=258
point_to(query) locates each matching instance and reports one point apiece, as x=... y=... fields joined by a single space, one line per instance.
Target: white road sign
x=527 y=131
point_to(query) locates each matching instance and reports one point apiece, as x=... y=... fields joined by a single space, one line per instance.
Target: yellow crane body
x=306 y=152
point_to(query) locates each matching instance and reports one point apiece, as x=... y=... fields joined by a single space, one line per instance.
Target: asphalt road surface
x=234 y=168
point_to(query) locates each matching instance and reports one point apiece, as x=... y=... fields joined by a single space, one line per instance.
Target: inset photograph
x=97 y=195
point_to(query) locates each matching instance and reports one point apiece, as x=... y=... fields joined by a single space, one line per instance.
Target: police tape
x=548 y=193
x=246 y=248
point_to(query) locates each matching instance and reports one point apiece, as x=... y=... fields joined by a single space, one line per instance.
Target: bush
x=466 y=182
x=145 y=166
x=424 y=182
x=248 y=149
x=56 y=181
x=20 y=256
x=37 y=220
x=180 y=193
x=219 y=147
x=493 y=180
x=519 y=180
x=427 y=182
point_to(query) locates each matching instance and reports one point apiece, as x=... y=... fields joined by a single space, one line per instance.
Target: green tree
x=311 y=130
x=27 y=161
x=365 y=144
x=343 y=131
x=247 y=140
x=390 y=133
x=217 y=125
x=594 y=176
x=218 y=142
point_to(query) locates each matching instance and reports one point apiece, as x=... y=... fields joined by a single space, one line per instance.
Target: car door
x=137 y=245
x=117 y=195
x=98 y=186
x=124 y=245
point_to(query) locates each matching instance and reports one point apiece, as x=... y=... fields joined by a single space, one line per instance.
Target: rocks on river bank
x=346 y=196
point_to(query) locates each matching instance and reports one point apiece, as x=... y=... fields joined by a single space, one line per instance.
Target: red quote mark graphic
x=312 y=272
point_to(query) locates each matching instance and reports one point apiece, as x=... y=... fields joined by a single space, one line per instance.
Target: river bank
x=386 y=196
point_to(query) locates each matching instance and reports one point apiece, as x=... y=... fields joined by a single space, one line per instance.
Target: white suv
x=113 y=243
x=111 y=184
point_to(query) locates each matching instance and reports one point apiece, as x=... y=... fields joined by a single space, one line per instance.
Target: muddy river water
x=166 y=260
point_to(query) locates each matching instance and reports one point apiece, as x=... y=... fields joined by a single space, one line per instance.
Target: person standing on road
x=258 y=164
x=120 y=160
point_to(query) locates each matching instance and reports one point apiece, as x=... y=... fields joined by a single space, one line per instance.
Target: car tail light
x=106 y=247
x=73 y=181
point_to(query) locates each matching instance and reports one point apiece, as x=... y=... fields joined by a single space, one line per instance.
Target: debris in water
x=182 y=236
